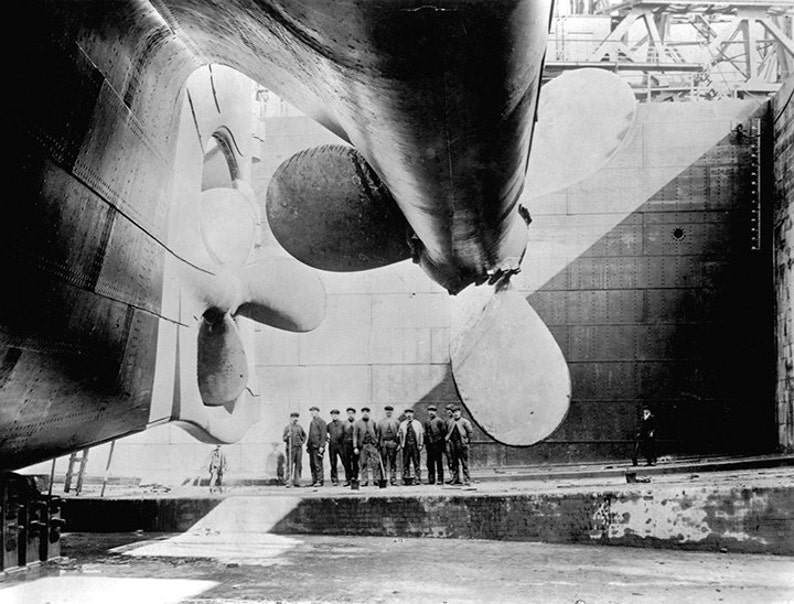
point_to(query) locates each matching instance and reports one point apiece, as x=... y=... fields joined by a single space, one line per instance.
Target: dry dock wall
x=783 y=246
x=706 y=518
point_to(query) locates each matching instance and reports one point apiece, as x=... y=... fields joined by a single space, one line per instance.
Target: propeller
x=584 y=117
x=218 y=236
x=508 y=368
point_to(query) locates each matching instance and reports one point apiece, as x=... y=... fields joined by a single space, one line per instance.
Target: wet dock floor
x=100 y=568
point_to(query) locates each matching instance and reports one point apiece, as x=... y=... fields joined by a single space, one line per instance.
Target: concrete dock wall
x=707 y=518
x=746 y=520
x=783 y=246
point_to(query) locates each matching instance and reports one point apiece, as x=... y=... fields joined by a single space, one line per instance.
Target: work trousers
x=411 y=456
x=350 y=461
x=335 y=453
x=316 y=464
x=388 y=452
x=435 y=462
x=294 y=467
x=216 y=480
x=645 y=446
x=369 y=460
x=460 y=460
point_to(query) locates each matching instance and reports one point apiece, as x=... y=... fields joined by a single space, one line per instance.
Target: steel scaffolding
x=671 y=50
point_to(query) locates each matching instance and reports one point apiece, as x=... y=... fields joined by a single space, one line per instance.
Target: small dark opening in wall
x=678 y=233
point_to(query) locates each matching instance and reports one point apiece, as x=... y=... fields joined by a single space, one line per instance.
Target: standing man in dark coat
x=294 y=436
x=318 y=436
x=388 y=429
x=645 y=440
x=365 y=443
x=349 y=457
x=435 y=431
x=336 y=443
x=459 y=437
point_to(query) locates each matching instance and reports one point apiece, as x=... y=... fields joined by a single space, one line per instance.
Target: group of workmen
x=369 y=447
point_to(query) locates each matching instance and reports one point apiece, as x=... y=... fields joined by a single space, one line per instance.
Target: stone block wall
x=783 y=249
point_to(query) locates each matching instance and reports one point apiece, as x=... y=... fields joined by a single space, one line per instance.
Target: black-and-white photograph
x=398 y=301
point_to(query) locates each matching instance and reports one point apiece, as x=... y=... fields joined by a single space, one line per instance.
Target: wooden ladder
x=82 y=457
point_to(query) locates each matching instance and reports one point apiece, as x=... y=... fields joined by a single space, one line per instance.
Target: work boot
x=346 y=484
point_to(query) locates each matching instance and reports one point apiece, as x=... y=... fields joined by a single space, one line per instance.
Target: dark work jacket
x=349 y=429
x=435 y=430
x=317 y=433
x=298 y=435
x=647 y=428
x=362 y=429
x=460 y=428
x=387 y=425
x=336 y=432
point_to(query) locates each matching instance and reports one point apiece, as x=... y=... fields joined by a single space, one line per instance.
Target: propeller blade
x=329 y=209
x=227 y=226
x=508 y=369
x=282 y=293
x=583 y=118
x=221 y=364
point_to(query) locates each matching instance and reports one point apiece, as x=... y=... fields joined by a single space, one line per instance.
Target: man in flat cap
x=365 y=443
x=435 y=433
x=315 y=446
x=458 y=436
x=349 y=458
x=294 y=436
x=336 y=443
x=411 y=442
x=388 y=429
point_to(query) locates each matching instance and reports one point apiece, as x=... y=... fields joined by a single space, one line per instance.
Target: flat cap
x=432 y=408
x=350 y=409
x=365 y=408
x=388 y=408
x=334 y=411
x=449 y=407
x=294 y=414
x=314 y=408
x=409 y=411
